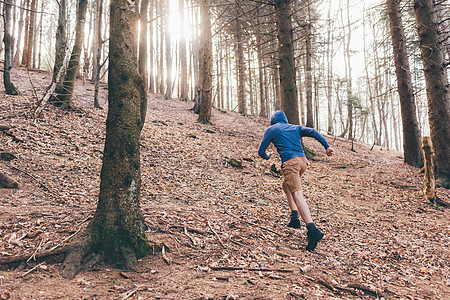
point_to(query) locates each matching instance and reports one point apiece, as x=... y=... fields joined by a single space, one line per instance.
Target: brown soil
x=381 y=237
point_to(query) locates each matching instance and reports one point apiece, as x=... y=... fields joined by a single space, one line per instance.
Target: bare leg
x=302 y=206
x=290 y=200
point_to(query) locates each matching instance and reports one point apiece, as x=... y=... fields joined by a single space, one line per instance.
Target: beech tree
x=432 y=52
x=116 y=233
x=411 y=134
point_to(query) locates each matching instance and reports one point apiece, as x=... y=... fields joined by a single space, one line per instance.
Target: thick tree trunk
x=411 y=133
x=10 y=88
x=206 y=70
x=436 y=83
x=183 y=60
x=60 y=45
x=64 y=90
x=116 y=233
x=289 y=102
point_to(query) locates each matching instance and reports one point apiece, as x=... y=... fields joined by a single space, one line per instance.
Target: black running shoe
x=313 y=236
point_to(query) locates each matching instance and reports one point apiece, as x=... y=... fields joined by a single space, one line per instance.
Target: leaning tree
x=116 y=232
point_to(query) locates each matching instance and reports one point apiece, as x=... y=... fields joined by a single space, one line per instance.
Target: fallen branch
x=250 y=269
x=31 y=270
x=13 y=260
x=190 y=237
x=254 y=224
x=32 y=177
x=130 y=293
x=366 y=289
x=163 y=251
x=217 y=236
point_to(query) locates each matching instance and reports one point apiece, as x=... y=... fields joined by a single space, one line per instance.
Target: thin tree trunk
x=98 y=51
x=26 y=35
x=15 y=61
x=436 y=80
x=151 y=86
x=60 y=45
x=64 y=90
x=411 y=134
x=40 y=35
x=183 y=61
x=143 y=46
x=168 y=67
x=207 y=61
x=10 y=88
x=239 y=48
x=262 y=96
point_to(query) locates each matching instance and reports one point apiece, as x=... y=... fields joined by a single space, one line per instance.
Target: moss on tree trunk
x=116 y=234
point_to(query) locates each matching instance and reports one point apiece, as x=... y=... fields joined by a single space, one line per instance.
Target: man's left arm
x=311 y=132
x=263 y=146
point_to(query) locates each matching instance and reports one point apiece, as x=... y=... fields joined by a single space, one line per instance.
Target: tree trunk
x=98 y=51
x=64 y=90
x=183 y=60
x=9 y=86
x=411 y=133
x=15 y=61
x=169 y=86
x=308 y=77
x=143 y=47
x=31 y=32
x=262 y=96
x=239 y=48
x=151 y=86
x=60 y=45
x=289 y=103
x=26 y=35
x=116 y=233
x=206 y=70
x=436 y=83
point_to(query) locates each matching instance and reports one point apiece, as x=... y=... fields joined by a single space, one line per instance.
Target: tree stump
x=429 y=181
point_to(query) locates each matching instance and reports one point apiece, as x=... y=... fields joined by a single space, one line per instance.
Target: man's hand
x=330 y=151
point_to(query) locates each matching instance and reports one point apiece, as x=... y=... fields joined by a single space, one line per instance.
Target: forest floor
x=382 y=239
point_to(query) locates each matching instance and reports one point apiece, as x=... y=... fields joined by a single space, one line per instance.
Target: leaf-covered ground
x=381 y=238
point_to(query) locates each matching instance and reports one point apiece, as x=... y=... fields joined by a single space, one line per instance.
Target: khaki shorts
x=292 y=170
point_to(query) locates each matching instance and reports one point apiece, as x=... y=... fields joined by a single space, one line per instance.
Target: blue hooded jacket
x=287 y=138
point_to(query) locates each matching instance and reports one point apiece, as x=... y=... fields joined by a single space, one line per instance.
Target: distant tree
x=64 y=90
x=289 y=102
x=411 y=134
x=116 y=234
x=9 y=86
x=206 y=65
x=435 y=71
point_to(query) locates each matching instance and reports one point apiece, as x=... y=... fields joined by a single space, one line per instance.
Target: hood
x=278 y=117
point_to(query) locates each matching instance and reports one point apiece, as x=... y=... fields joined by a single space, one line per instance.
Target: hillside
x=381 y=238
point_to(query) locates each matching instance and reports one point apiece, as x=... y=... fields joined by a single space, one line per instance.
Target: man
x=287 y=138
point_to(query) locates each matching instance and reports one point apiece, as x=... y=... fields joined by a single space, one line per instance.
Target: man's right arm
x=263 y=146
